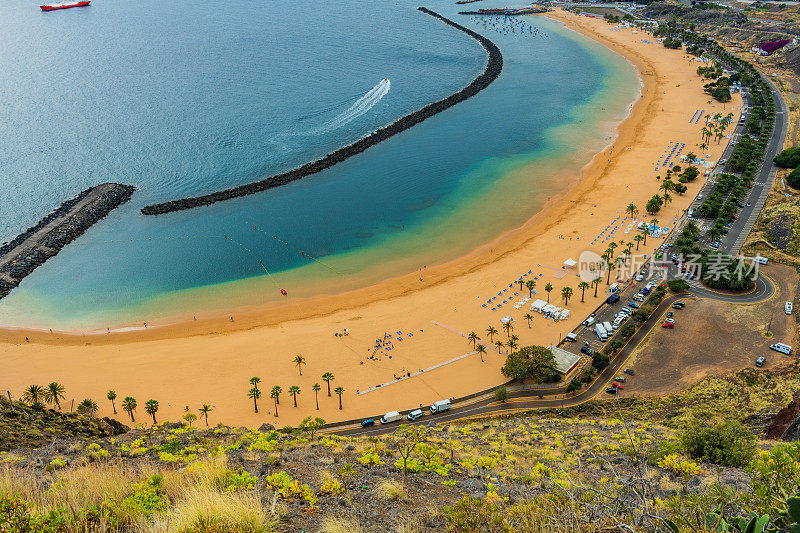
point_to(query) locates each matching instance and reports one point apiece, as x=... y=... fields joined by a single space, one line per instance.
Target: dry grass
x=390 y=490
x=75 y=487
x=202 y=508
x=341 y=524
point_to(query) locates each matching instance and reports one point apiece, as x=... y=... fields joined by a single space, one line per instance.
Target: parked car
x=619 y=386
x=678 y=305
x=670 y=320
x=638 y=297
x=669 y=315
x=586 y=350
x=788 y=308
x=620 y=379
x=611 y=390
x=633 y=304
x=367 y=422
x=416 y=413
x=669 y=325
x=629 y=371
x=640 y=277
x=760 y=361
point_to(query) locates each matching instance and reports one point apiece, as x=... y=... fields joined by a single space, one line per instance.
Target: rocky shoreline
x=16 y=263
x=492 y=71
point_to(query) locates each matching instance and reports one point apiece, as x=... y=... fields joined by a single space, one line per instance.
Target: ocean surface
x=182 y=99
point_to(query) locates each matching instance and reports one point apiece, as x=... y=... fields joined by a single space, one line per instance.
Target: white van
x=440 y=406
x=781 y=347
x=761 y=260
x=571 y=337
x=589 y=321
x=391 y=416
x=413 y=415
x=788 y=308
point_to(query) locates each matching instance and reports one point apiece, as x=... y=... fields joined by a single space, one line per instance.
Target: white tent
x=538 y=306
x=564 y=313
x=570 y=263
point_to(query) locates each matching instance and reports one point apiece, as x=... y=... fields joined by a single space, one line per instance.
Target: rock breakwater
x=22 y=255
x=492 y=71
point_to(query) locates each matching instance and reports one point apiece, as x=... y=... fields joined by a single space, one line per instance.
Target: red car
x=668 y=325
x=617 y=385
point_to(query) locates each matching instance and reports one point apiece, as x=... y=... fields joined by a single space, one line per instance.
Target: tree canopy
x=530 y=362
x=789 y=158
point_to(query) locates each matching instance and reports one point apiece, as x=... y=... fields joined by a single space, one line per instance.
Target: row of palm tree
x=294 y=391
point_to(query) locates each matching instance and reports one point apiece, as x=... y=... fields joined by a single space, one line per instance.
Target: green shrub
x=574 y=385
x=678 y=285
x=793 y=179
x=726 y=444
x=789 y=158
x=501 y=394
x=600 y=361
x=472 y=514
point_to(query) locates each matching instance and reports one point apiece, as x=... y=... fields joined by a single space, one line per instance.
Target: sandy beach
x=427 y=313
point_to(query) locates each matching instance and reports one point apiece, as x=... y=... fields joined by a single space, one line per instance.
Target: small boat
x=65 y=5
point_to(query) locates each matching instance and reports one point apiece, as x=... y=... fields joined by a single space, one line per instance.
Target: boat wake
x=358 y=108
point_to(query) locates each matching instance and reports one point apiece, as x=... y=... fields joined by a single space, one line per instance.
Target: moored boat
x=65 y=5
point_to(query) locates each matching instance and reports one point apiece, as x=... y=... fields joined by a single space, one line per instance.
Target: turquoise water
x=180 y=102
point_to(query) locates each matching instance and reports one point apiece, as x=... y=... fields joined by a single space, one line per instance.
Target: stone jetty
x=20 y=256
x=493 y=68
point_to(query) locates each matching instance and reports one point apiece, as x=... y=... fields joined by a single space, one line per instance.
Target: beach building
x=566 y=361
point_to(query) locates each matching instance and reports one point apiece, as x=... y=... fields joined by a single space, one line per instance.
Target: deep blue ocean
x=183 y=98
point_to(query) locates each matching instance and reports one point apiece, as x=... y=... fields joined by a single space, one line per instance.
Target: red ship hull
x=56 y=7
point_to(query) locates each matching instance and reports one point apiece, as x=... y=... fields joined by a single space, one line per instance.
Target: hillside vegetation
x=650 y=465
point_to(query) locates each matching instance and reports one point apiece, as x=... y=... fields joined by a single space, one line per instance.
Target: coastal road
x=524 y=400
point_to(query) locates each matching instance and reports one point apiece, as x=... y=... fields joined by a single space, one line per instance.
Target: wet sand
x=210 y=360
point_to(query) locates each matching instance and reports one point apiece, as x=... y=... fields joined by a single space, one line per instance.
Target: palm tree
x=339 y=391
x=627 y=254
x=112 y=396
x=638 y=239
x=129 y=405
x=276 y=395
x=254 y=381
x=481 y=349
x=499 y=345
x=327 y=377
x=645 y=233
x=521 y=284
x=514 y=338
x=473 y=337
x=529 y=318
x=33 y=395
x=512 y=345
x=255 y=394
x=491 y=332
x=703 y=146
x=294 y=390
x=611 y=266
x=596 y=282
x=508 y=327
x=315 y=387
x=548 y=288
x=87 y=405
x=566 y=293
x=54 y=394
x=151 y=407
x=583 y=286
x=631 y=210
x=530 y=285
x=299 y=360
x=667 y=198
x=205 y=410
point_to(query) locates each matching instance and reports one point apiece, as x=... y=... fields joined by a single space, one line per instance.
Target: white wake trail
x=359 y=107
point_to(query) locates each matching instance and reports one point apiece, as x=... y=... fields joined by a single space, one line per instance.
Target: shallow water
x=179 y=102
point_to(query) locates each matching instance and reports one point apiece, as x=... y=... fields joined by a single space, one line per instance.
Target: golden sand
x=210 y=361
